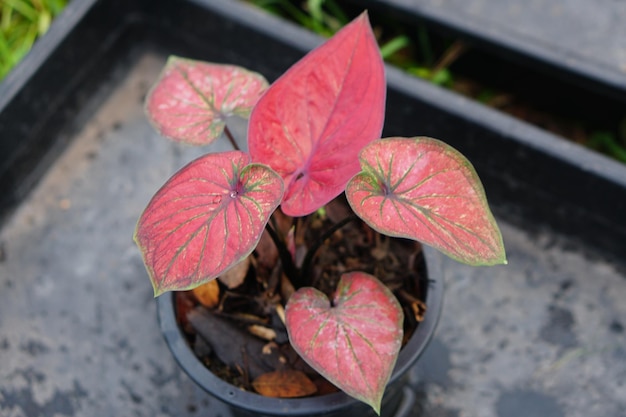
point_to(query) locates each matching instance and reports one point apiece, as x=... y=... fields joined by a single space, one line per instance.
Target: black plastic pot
x=245 y=403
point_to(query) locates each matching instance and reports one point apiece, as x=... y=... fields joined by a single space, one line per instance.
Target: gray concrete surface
x=544 y=336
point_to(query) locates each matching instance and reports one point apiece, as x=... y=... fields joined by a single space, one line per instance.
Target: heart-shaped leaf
x=354 y=343
x=423 y=189
x=191 y=100
x=205 y=219
x=312 y=122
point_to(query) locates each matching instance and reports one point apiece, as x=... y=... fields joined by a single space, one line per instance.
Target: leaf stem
x=285 y=257
x=308 y=259
x=301 y=277
x=230 y=137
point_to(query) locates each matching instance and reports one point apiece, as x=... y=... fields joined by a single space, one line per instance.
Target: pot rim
x=257 y=403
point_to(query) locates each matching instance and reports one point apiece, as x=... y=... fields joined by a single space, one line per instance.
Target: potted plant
x=313 y=136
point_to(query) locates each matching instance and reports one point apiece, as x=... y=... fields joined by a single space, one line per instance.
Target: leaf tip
x=498 y=259
x=500 y=256
x=172 y=59
x=375 y=404
x=157 y=291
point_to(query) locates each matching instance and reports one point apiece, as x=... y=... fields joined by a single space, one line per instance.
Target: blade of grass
x=606 y=142
x=285 y=8
x=27 y=42
x=21 y=23
x=7 y=15
x=336 y=11
x=315 y=10
x=318 y=18
x=425 y=46
x=6 y=56
x=394 y=45
x=43 y=23
x=23 y=8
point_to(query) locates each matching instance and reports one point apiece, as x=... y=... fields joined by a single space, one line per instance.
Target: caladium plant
x=312 y=135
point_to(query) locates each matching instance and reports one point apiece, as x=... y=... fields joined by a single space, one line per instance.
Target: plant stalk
x=285 y=257
x=231 y=138
x=310 y=255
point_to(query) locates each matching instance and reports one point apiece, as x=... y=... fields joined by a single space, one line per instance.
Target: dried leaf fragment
x=419 y=310
x=235 y=276
x=284 y=384
x=262 y=332
x=208 y=294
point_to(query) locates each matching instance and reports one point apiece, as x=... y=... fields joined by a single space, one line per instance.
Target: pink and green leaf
x=353 y=342
x=312 y=122
x=191 y=100
x=208 y=217
x=423 y=189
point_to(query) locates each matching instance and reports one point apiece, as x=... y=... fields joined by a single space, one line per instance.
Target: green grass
x=21 y=23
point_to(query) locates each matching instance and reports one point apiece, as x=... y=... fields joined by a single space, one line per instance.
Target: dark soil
x=243 y=336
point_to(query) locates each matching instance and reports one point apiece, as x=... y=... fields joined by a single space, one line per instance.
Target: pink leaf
x=354 y=343
x=311 y=123
x=208 y=217
x=425 y=190
x=191 y=100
